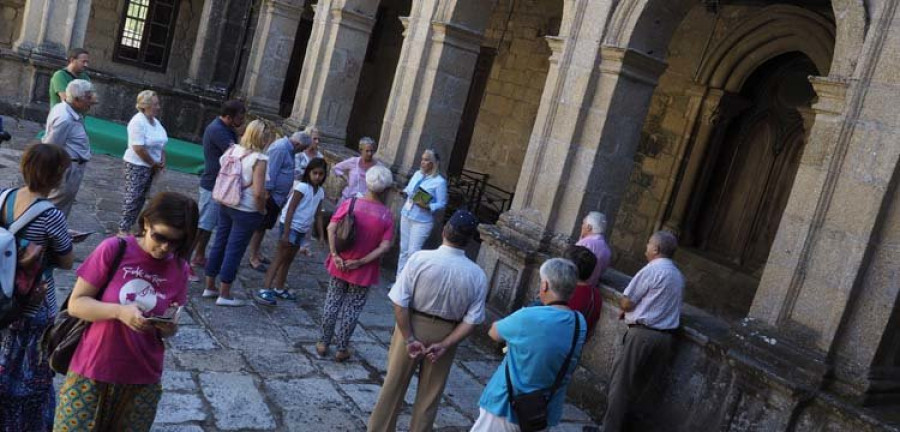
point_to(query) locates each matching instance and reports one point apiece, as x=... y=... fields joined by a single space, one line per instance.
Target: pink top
x=597 y=244
x=109 y=351
x=356 y=176
x=374 y=224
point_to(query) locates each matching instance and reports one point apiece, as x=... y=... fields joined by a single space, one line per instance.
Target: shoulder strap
x=352 y=204
x=123 y=244
x=559 y=375
x=34 y=210
x=565 y=367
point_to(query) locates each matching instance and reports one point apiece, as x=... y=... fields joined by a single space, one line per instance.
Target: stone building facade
x=762 y=132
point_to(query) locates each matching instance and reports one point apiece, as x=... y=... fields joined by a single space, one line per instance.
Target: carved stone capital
x=556 y=45
x=631 y=64
x=353 y=20
x=831 y=94
x=457 y=36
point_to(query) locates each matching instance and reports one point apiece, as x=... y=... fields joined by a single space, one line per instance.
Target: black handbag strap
x=352 y=204
x=112 y=272
x=559 y=375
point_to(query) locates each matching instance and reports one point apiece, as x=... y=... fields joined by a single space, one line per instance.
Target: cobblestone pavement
x=255 y=368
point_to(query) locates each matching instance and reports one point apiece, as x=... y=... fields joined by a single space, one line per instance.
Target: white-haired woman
x=354 y=270
x=301 y=159
x=426 y=194
x=144 y=158
x=354 y=169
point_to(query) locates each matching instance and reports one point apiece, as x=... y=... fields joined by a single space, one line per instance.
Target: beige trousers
x=432 y=378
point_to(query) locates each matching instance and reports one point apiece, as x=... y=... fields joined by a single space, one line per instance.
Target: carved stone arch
x=646 y=26
x=773 y=31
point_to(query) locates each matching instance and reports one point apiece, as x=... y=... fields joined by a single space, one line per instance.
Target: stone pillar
x=201 y=71
x=51 y=28
x=332 y=67
x=580 y=154
x=829 y=285
x=443 y=39
x=270 y=55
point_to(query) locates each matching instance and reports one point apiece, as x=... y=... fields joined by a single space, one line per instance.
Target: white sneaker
x=232 y=302
x=208 y=293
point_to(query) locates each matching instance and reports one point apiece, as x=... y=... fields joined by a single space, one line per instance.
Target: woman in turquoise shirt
x=426 y=194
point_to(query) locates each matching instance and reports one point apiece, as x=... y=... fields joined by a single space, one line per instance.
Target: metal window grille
x=146 y=33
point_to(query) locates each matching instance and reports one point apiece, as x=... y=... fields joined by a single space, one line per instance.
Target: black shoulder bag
x=60 y=340
x=531 y=408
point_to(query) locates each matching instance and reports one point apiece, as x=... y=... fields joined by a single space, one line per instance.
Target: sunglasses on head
x=159 y=238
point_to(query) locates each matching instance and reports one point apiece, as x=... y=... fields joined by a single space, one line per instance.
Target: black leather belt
x=669 y=331
x=79 y=161
x=434 y=317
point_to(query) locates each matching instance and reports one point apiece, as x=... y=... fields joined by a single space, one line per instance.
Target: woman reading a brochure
x=425 y=194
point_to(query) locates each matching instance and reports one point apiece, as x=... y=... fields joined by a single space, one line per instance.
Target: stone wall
x=11 y=12
x=513 y=93
x=103 y=30
x=377 y=74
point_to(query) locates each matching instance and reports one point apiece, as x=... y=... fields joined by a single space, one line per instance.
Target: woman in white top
x=144 y=158
x=236 y=223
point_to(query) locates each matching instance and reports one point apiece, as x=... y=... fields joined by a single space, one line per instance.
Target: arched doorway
x=752 y=169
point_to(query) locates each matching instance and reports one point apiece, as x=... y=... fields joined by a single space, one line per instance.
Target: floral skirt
x=88 y=405
x=26 y=381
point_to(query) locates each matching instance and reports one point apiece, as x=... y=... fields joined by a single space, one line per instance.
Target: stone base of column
x=511 y=254
x=264 y=108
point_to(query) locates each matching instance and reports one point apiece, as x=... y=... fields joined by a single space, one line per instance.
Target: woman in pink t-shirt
x=114 y=377
x=354 y=270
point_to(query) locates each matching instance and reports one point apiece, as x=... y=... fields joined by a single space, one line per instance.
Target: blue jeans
x=233 y=233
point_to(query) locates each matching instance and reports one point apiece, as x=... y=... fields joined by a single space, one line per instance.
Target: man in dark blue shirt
x=220 y=134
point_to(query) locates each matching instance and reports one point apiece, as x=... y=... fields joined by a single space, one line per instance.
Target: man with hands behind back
x=438 y=300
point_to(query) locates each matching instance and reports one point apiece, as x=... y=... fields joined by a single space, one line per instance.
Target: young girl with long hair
x=295 y=222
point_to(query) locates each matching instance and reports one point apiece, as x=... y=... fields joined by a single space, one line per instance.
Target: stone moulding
x=556 y=45
x=631 y=64
x=353 y=20
x=456 y=36
x=831 y=93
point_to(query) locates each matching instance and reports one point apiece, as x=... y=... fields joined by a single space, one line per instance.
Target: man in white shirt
x=438 y=300
x=651 y=307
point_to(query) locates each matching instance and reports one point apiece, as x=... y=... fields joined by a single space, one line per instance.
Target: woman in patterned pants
x=354 y=270
x=144 y=158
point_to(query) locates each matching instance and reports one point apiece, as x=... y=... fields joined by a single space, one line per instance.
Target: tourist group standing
x=132 y=287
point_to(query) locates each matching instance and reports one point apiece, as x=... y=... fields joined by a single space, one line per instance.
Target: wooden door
x=753 y=173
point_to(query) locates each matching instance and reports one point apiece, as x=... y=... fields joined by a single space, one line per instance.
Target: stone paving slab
x=255 y=368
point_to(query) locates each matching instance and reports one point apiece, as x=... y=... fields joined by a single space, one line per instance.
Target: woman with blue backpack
x=26 y=381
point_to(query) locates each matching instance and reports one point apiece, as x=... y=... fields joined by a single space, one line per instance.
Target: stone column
x=201 y=71
x=443 y=39
x=332 y=67
x=51 y=28
x=270 y=55
x=580 y=154
x=829 y=283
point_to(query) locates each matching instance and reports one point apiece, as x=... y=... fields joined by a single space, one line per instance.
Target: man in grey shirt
x=438 y=300
x=651 y=307
x=65 y=128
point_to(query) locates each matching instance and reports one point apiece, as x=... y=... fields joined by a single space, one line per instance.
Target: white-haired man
x=279 y=182
x=651 y=307
x=592 y=228
x=544 y=344
x=65 y=128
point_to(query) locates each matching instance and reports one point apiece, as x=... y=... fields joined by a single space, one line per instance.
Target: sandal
x=285 y=295
x=341 y=355
x=265 y=297
x=262 y=267
x=321 y=349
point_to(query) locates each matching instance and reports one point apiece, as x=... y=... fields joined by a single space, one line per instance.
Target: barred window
x=146 y=32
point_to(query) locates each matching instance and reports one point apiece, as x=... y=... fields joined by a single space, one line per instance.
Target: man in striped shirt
x=651 y=307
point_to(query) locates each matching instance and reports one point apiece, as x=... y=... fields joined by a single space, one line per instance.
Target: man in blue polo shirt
x=220 y=134
x=539 y=340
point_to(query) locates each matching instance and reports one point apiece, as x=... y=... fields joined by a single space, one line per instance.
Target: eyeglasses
x=159 y=238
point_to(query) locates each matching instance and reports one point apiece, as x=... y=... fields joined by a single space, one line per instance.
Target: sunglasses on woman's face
x=161 y=239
